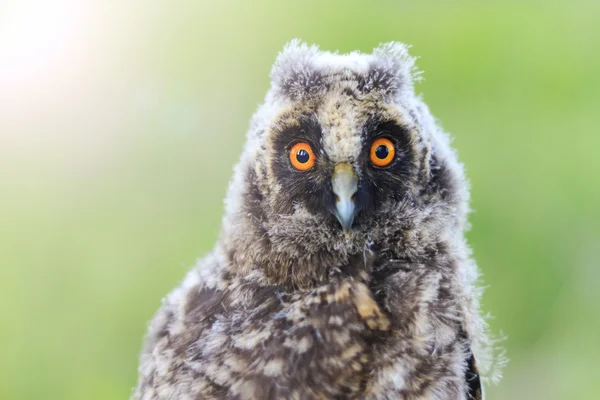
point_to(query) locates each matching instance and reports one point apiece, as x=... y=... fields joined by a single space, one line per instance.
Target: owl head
x=342 y=156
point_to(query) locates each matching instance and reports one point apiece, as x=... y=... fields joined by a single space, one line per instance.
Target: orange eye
x=302 y=156
x=382 y=152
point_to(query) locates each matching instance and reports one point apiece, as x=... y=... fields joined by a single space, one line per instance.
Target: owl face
x=343 y=157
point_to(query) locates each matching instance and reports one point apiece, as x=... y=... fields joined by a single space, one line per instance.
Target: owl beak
x=344 y=184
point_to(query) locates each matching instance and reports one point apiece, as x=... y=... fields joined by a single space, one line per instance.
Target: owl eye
x=382 y=152
x=302 y=156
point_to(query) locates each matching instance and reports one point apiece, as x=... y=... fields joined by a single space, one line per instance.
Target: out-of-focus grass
x=113 y=167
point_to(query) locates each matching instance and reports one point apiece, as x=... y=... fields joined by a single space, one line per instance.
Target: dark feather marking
x=473 y=380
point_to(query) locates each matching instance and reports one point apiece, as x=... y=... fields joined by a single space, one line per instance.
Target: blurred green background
x=120 y=123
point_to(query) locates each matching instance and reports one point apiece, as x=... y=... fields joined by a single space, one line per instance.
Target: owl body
x=341 y=271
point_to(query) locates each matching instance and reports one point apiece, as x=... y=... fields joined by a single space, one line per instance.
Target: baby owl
x=342 y=270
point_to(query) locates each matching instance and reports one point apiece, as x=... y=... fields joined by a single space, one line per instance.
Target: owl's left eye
x=302 y=156
x=382 y=152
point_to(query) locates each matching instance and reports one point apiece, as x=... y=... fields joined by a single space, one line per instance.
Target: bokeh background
x=120 y=123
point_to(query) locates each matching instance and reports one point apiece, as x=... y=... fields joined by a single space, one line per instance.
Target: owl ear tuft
x=294 y=74
x=302 y=70
x=392 y=70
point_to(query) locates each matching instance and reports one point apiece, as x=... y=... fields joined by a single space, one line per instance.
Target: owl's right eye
x=382 y=152
x=302 y=156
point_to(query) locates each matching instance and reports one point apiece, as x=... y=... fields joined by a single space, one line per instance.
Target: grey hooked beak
x=345 y=185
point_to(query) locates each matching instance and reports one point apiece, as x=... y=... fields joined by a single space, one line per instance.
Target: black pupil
x=302 y=156
x=381 y=152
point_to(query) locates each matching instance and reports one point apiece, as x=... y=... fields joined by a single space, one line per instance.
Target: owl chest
x=329 y=343
x=315 y=344
x=336 y=341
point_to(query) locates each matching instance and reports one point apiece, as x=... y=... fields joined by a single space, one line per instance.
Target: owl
x=342 y=270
